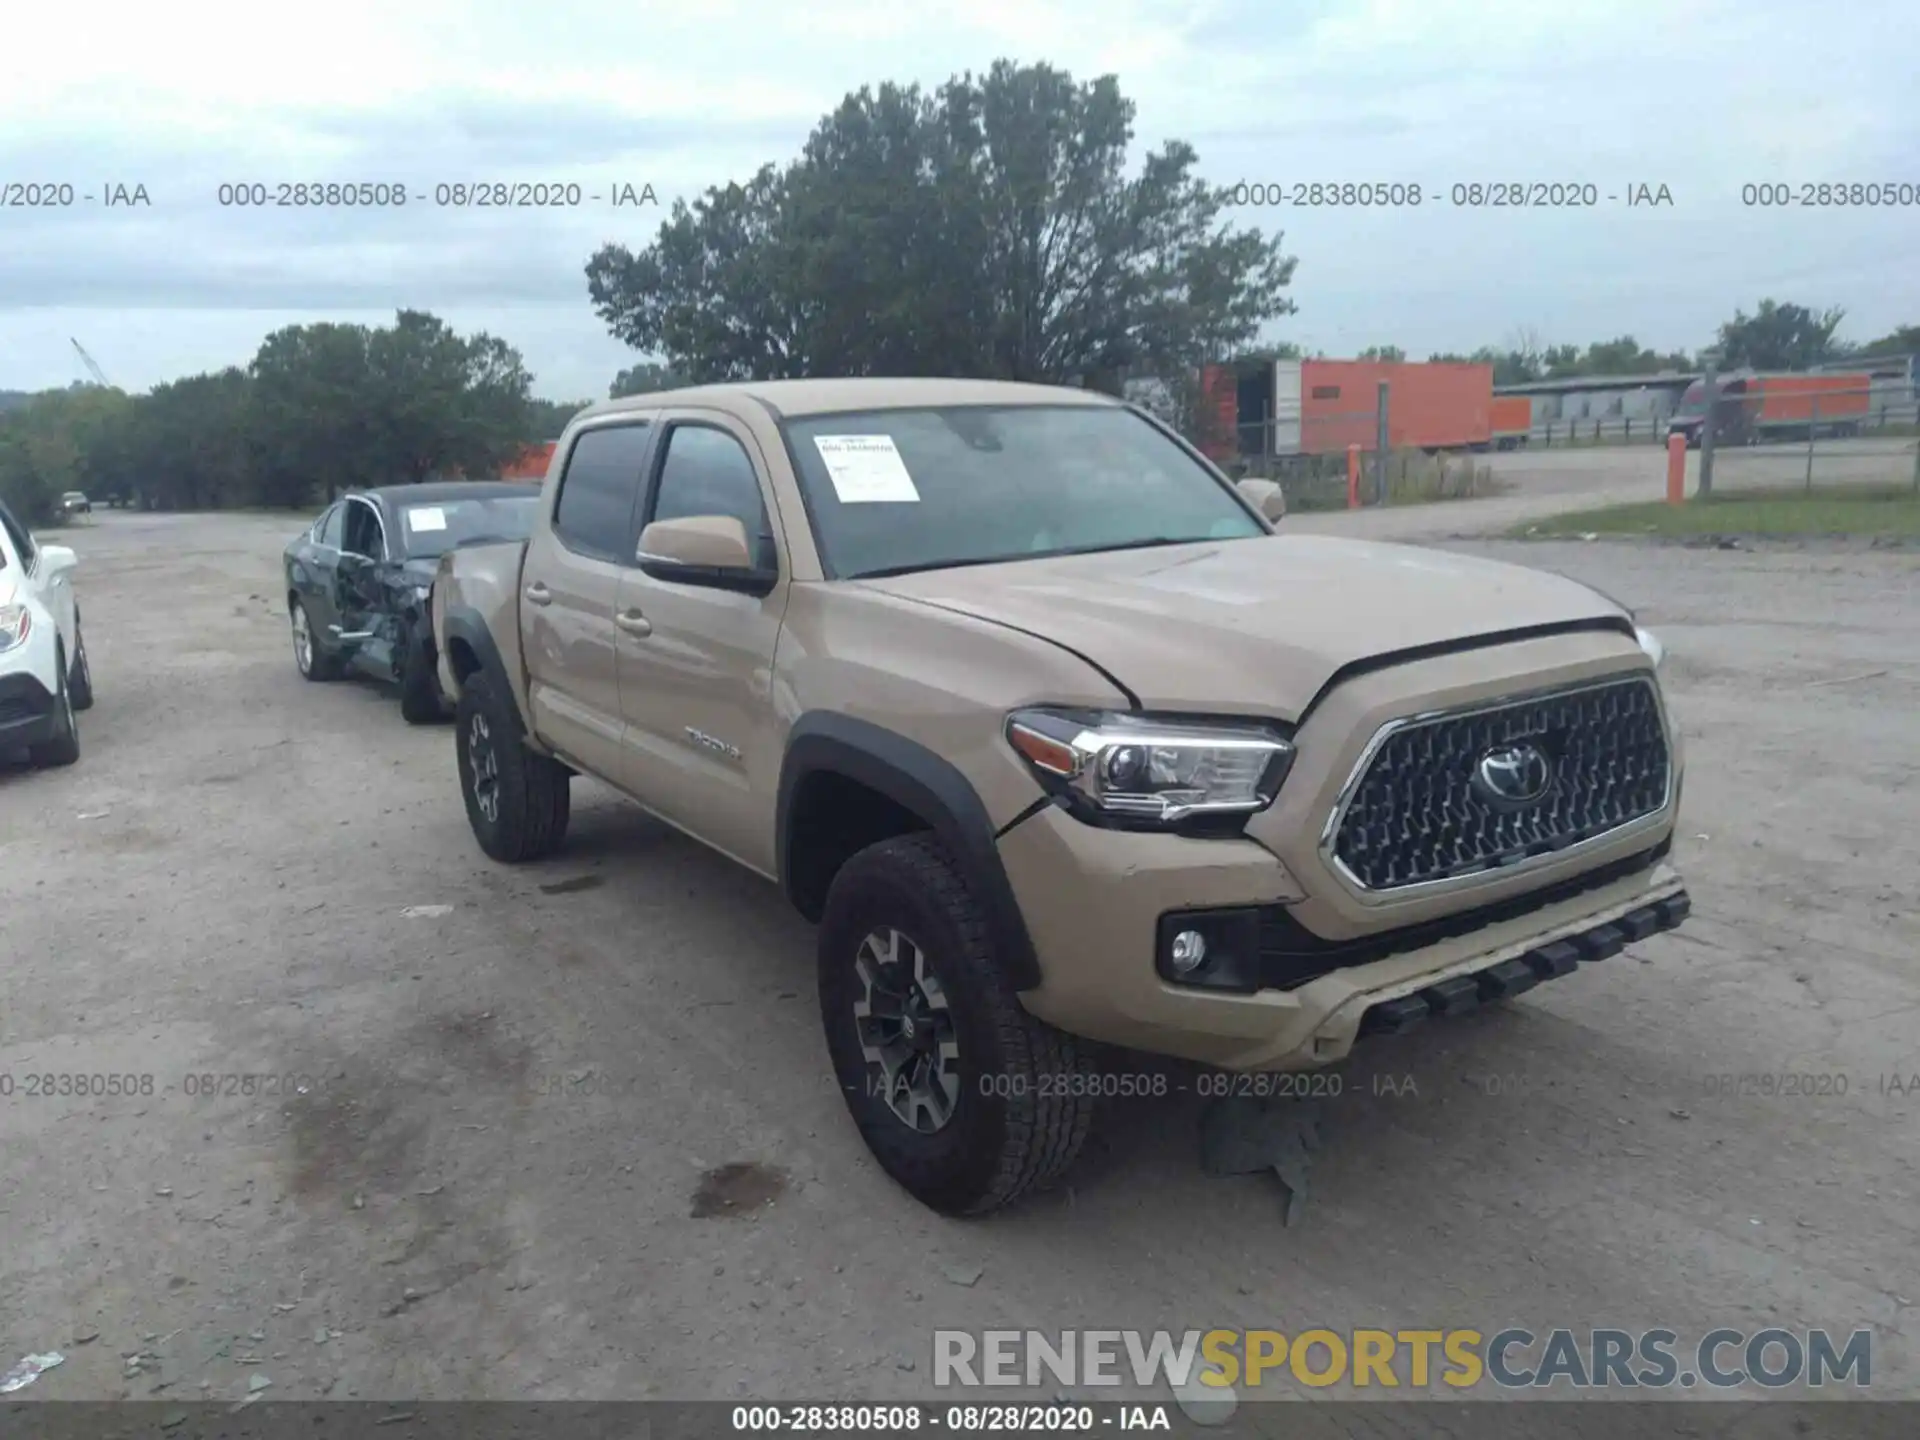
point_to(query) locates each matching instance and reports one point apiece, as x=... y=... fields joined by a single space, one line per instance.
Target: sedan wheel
x=302 y=640
x=314 y=662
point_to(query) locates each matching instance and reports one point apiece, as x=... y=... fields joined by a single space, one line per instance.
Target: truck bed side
x=476 y=619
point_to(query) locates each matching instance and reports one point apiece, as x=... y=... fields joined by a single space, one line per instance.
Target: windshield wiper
x=1158 y=540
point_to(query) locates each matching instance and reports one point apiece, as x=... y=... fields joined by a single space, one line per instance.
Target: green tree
x=442 y=403
x=1390 y=353
x=1779 y=337
x=1626 y=356
x=989 y=229
x=1904 y=341
x=53 y=444
x=192 y=445
x=314 y=413
x=648 y=377
x=547 y=418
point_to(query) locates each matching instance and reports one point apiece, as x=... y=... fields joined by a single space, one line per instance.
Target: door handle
x=633 y=622
x=538 y=594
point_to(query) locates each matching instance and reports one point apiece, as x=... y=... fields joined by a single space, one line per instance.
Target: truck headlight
x=1158 y=771
x=15 y=623
x=1650 y=643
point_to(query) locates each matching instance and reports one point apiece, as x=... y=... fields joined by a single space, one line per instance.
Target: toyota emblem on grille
x=1513 y=774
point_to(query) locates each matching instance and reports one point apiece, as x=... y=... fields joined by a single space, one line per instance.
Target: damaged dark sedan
x=358 y=579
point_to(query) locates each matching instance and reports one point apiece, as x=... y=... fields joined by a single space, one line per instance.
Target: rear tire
x=308 y=654
x=518 y=801
x=1015 y=1113
x=63 y=746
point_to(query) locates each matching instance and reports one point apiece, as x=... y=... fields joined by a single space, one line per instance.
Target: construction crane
x=99 y=375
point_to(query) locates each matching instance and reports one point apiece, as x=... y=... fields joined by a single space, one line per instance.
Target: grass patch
x=1866 y=510
x=1319 y=482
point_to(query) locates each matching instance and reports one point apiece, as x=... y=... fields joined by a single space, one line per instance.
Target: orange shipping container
x=1219 y=439
x=1512 y=414
x=531 y=463
x=1797 y=399
x=1320 y=407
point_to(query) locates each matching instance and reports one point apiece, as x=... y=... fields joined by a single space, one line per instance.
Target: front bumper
x=1099 y=949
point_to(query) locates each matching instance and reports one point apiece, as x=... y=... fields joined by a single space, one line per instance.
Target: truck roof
x=789 y=398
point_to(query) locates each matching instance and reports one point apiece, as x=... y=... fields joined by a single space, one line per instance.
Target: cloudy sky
x=1699 y=96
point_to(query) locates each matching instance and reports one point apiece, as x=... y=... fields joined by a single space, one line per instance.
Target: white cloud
x=1699 y=95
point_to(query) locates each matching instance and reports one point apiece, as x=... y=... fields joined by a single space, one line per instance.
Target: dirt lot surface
x=460 y=1153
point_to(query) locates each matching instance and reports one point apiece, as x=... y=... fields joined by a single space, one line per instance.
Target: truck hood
x=1253 y=626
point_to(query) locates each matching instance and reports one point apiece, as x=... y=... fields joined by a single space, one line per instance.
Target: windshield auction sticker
x=866 y=469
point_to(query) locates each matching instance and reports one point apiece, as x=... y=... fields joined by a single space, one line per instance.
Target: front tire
x=966 y=1100
x=62 y=747
x=80 y=675
x=420 y=699
x=518 y=801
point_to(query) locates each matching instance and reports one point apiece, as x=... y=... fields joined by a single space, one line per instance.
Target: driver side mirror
x=1265 y=496
x=709 y=550
x=56 y=560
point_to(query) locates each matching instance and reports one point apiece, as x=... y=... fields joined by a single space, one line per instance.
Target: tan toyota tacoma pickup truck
x=1060 y=739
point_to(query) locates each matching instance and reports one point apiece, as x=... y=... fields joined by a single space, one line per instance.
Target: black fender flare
x=464 y=624
x=930 y=786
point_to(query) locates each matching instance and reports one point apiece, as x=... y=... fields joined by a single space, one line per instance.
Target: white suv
x=43 y=659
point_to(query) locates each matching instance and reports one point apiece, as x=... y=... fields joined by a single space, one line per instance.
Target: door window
x=363 y=531
x=708 y=472
x=328 y=530
x=593 y=514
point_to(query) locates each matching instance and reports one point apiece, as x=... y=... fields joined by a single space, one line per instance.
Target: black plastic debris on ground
x=1244 y=1135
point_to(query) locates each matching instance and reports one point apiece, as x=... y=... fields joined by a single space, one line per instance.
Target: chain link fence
x=1351 y=459
x=1778 y=437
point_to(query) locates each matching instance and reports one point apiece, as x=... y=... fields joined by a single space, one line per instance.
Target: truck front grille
x=1429 y=803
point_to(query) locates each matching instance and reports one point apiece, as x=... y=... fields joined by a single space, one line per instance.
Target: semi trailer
x=1754 y=409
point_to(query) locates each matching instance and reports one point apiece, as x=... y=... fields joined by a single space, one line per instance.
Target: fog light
x=1188 y=952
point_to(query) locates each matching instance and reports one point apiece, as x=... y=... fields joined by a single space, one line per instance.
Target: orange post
x=1676 y=469
x=1353 y=477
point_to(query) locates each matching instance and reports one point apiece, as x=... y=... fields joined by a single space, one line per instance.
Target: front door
x=356 y=578
x=696 y=663
x=570 y=584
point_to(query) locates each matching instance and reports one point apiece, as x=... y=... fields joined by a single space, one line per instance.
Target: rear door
x=570 y=584
x=311 y=568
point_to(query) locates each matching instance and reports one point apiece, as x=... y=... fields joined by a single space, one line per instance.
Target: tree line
x=1775 y=337
x=319 y=408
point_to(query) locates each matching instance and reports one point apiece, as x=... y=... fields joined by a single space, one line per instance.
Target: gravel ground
x=484 y=1178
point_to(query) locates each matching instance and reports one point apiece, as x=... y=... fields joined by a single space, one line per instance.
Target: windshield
x=428 y=531
x=1694 y=402
x=896 y=490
